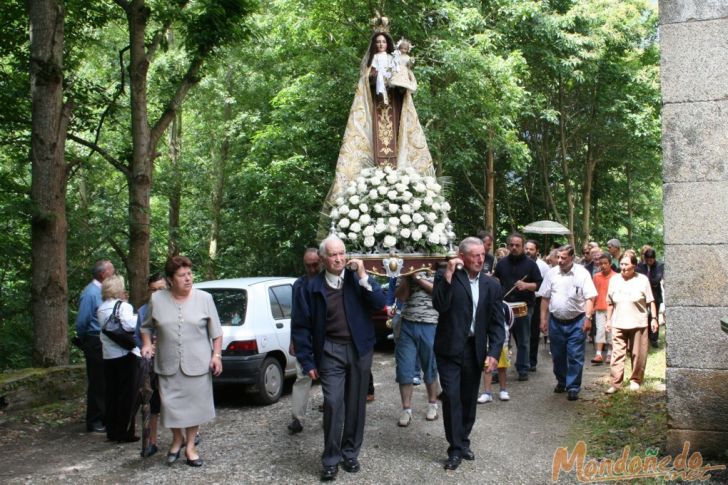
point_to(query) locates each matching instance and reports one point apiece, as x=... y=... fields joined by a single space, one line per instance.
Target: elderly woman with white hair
x=120 y=364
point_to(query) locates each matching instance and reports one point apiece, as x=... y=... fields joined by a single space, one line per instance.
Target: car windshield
x=231 y=305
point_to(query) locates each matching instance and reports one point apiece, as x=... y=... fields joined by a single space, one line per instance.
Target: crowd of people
x=456 y=327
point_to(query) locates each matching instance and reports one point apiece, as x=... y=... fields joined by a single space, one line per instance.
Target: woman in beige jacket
x=185 y=321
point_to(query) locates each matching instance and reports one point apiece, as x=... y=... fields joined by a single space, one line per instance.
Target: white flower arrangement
x=386 y=209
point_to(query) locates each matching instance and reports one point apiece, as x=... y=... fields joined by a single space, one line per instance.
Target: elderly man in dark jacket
x=333 y=333
x=470 y=335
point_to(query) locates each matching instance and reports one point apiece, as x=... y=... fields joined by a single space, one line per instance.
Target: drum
x=520 y=309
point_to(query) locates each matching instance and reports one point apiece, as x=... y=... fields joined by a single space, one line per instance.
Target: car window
x=231 y=304
x=280 y=301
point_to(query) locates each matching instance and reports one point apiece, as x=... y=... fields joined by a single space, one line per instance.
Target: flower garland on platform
x=385 y=209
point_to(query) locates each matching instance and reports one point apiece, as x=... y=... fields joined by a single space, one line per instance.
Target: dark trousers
x=459 y=378
x=535 y=332
x=121 y=390
x=95 y=390
x=344 y=380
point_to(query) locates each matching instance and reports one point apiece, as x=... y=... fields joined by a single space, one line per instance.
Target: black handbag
x=112 y=328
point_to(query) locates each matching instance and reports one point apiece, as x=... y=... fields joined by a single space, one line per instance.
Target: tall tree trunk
x=630 y=228
x=490 y=187
x=565 y=164
x=218 y=189
x=175 y=196
x=587 y=193
x=49 y=118
x=140 y=177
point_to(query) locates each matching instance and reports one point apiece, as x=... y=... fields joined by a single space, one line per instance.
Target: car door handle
x=279 y=325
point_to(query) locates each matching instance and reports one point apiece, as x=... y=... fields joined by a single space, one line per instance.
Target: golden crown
x=380 y=24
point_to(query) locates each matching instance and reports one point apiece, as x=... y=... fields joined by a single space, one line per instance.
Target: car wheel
x=270 y=381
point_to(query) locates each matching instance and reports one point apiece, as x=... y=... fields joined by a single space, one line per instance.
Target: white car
x=256 y=321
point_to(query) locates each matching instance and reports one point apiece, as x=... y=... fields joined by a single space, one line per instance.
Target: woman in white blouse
x=120 y=365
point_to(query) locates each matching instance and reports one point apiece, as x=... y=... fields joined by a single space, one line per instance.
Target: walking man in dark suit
x=470 y=334
x=334 y=338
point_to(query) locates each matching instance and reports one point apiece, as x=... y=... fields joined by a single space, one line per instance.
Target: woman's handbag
x=112 y=328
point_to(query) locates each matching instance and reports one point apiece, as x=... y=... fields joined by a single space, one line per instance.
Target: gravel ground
x=513 y=441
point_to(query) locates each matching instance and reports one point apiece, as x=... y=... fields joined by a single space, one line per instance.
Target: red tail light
x=243 y=346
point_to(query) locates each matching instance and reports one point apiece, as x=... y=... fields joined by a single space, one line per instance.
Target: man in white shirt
x=567 y=301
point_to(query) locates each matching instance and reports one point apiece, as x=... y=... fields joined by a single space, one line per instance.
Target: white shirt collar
x=334 y=281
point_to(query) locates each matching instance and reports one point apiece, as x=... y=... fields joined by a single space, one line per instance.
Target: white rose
x=380 y=228
x=354 y=200
x=393 y=221
x=344 y=223
x=341 y=235
x=436 y=188
x=431 y=216
x=434 y=238
x=429 y=180
x=405 y=219
x=406 y=195
x=339 y=201
x=392 y=229
x=443 y=239
x=355 y=227
x=392 y=178
x=439 y=227
x=427 y=201
x=369 y=241
x=389 y=241
x=420 y=187
x=382 y=189
x=400 y=187
x=351 y=190
x=430 y=194
x=378 y=208
x=373 y=194
x=393 y=208
x=436 y=206
x=423 y=229
x=363 y=208
x=388 y=169
x=334 y=214
x=354 y=214
x=352 y=236
x=343 y=210
x=417 y=218
x=415 y=177
x=446 y=206
x=416 y=204
x=368 y=231
x=378 y=174
x=366 y=172
x=392 y=194
x=405 y=233
x=365 y=219
x=361 y=188
x=416 y=235
x=406 y=208
x=404 y=179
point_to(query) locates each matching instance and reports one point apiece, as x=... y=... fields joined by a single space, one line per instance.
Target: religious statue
x=383 y=128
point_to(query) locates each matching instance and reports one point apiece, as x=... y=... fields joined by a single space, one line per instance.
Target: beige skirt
x=186 y=400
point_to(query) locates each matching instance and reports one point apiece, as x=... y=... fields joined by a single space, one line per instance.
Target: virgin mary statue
x=383 y=127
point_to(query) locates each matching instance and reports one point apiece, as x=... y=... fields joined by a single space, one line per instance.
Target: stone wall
x=694 y=77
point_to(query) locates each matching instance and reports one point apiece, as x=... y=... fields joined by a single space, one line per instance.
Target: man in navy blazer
x=470 y=335
x=333 y=334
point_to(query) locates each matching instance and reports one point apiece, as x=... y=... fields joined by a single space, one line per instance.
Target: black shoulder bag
x=112 y=328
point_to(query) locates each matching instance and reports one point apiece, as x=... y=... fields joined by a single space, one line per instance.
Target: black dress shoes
x=573 y=396
x=295 y=426
x=351 y=465
x=468 y=455
x=328 y=473
x=453 y=462
x=173 y=456
x=196 y=462
x=559 y=389
x=96 y=428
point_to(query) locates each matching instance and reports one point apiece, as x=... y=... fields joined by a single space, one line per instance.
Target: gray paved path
x=514 y=442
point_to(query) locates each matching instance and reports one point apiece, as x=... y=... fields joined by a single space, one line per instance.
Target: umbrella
x=145 y=376
x=546 y=227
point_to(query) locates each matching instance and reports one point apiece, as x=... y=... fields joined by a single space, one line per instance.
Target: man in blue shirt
x=88 y=329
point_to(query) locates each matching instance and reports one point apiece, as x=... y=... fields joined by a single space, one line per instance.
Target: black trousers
x=459 y=378
x=121 y=390
x=344 y=380
x=535 y=333
x=95 y=390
